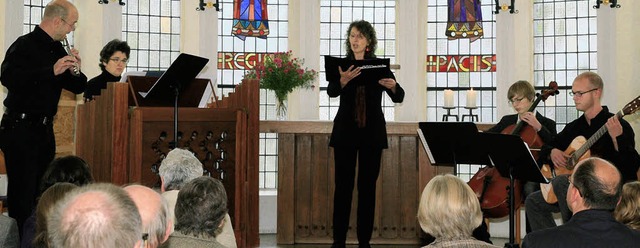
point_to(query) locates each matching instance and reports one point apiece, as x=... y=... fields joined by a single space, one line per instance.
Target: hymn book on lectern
x=371 y=71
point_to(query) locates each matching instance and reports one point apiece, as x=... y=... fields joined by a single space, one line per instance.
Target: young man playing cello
x=521 y=96
x=616 y=146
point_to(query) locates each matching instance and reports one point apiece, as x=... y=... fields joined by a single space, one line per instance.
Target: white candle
x=448 y=98
x=471 y=98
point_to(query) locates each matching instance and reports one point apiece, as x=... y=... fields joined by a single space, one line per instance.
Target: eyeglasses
x=74 y=25
x=118 y=60
x=516 y=100
x=580 y=93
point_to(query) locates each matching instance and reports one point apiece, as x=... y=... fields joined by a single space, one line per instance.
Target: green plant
x=282 y=73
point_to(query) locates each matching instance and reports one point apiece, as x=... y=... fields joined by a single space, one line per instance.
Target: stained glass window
x=236 y=56
x=250 y=18
x=459 y=65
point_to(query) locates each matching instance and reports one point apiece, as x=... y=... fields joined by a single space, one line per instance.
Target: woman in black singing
x=359 y=134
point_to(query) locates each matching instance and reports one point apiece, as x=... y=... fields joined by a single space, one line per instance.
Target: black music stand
x=452 y=143
x=513 y=159
x=180 y=73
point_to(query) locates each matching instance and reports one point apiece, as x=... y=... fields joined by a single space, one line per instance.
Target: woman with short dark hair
x=113 y=60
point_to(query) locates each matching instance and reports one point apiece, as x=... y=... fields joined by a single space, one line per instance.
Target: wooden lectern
x=124 y=139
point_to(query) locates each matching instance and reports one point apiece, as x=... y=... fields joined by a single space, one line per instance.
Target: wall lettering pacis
x=461 y=63
x=239 y=60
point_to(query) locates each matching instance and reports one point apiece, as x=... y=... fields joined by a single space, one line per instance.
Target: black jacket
x=96 y=84
x=546 y=133
x=345 y=130
x=27 y=72
x=588 y=228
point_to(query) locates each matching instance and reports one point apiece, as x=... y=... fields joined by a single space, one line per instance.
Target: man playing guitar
x=617 y=147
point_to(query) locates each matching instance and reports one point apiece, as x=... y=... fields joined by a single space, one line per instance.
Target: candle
x=471 y=98
x=448 y=98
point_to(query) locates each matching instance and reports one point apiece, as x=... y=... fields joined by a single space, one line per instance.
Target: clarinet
x=75 y=70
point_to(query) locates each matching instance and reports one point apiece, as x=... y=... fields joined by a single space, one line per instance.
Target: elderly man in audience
x=179 y=167
x=97 y=215
x=594 y=190
x=199 y=214
x=449 y=211
x=154 y=211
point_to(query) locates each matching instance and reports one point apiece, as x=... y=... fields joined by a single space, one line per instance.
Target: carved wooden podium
x=124 y=142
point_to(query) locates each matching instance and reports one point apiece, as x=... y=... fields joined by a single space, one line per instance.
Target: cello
x=491 y=188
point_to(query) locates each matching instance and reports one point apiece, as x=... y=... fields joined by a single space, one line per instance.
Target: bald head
x=598 y=183
x=98 y=215
x=153 y=211
x=58 y=8
x=59 y=19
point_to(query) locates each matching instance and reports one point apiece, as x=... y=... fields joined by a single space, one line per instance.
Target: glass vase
x=281 y=109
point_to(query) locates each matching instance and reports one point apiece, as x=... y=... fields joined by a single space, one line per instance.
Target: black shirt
x=626 y=159
x=27 y=72
x=98 y=83
x=587 y=228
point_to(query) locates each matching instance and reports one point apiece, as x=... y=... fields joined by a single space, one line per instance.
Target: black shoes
x=334 y=245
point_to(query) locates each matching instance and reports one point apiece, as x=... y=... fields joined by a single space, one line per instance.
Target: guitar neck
x=592 y=140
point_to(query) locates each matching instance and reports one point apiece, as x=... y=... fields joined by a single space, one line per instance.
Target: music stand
x=180 y=73
x=452 y=143
x=513 y=159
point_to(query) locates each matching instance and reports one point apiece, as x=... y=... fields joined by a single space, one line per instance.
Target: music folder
x=180 y=73
x=451 y=143
x=511 y=155
x=371 y=71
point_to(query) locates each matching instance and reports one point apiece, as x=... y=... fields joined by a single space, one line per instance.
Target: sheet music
x=531 y=155
x=125 y=76
x=372 y=70
x=426 y=146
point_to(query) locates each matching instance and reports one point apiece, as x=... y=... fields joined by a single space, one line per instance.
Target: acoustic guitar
x=578 y=151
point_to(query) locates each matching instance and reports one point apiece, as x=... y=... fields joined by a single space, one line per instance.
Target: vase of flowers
x=282 y=73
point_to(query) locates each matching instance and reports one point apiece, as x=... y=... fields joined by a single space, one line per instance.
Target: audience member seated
x=156 y=225
x=628 y=210
x=97 y=215
x=68 y=169
x=449 y=211
x=594 y=190
x=8 y=232
x=47 y=200
x=200 y=211
x=179 y=167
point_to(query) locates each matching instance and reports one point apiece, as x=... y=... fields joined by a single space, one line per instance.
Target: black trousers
x=28 y=148
x=345 y=172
